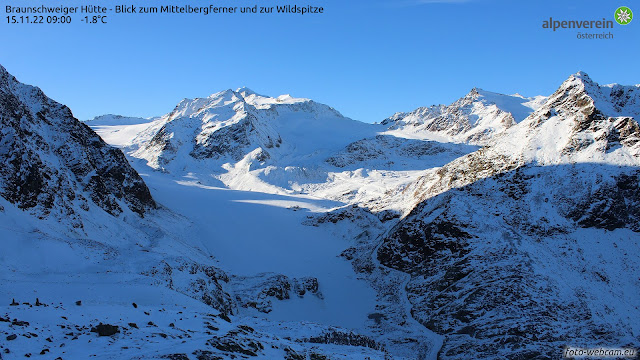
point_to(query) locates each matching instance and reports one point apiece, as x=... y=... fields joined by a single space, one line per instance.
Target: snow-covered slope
x=118 y=130
x=474 y=118
x=531 y=242
x=280 y=145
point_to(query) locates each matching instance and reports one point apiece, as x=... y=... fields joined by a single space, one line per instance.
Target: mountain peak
x=475 y=92
x=613 y=100
x=578 y=78
x=582 y=75
x=245 y=91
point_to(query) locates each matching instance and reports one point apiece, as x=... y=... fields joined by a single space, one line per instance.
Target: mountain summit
x=228 y=125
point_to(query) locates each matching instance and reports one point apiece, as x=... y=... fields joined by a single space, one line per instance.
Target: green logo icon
x=623 y=15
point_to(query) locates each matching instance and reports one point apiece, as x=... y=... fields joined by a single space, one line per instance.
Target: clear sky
x=366 y=58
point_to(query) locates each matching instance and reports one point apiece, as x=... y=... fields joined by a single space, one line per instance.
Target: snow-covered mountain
x=277 y=228
x=228 y=125
x=56 y=166
x=531 y=242
x=280 y=145
x=96 y=264
x=474 y=118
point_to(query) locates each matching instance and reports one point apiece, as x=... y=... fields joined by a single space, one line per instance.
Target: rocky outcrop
x=386 y=151
x=201 y=282
x=260 y=291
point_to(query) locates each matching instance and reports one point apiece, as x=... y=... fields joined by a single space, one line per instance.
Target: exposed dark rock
x=246 y=328
x=206 y=355
x=258 y=292
x=176 y=357
x=291 y=354
x=236 y=344
x=105 y=329
x=16 y=322
x=612 y=206
x=318 y=356
x=344 y=338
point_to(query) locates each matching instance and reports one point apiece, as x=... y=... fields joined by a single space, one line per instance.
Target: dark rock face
x=474 y=277
x=234 y=343
x=105 y=329
x=418 y=242
x=178 y=356
x=344 y=338
x=206 y=355
x=291 y=354
x=55 y=164
x=614 y=205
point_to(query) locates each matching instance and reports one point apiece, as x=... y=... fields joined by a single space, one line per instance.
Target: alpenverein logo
x=623 y=15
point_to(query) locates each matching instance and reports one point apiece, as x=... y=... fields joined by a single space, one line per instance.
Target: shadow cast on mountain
x=522 y=263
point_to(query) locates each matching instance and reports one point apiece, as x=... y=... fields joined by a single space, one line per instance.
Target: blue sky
x=366 y=58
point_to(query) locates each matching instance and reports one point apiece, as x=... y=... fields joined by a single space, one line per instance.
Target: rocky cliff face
x=474 y=118
x=530 y=243
x=55 y=165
